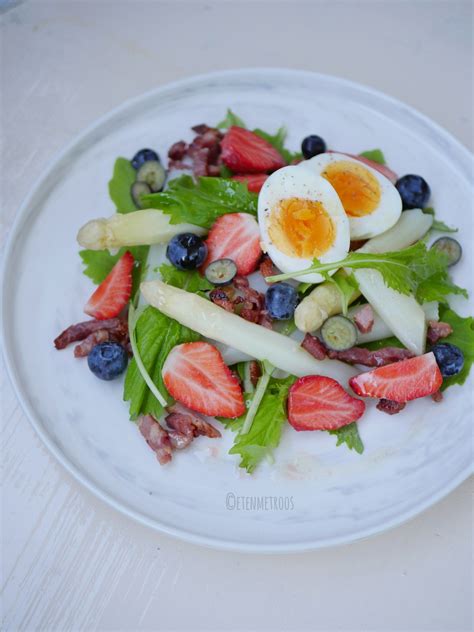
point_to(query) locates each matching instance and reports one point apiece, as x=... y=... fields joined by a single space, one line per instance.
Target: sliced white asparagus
x=410 y=228
x=325 y=299
x=381 y=330
x=258 y=342
x=140 y=228
x=402 y=314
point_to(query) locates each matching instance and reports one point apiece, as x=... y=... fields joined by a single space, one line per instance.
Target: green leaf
x=350 y=436
x=374 y=154
x=225 y=172
x=229 y=120
x=120 y=186
x=415 y=270
x=462 y=337
x=189 y=280
x=392 y=341
x=156 y=335
x=437 y=287
x=278 y=142
x=437 y=224
x=265 y=433
x=98 y=263
x=203 y=202
x=347 y=286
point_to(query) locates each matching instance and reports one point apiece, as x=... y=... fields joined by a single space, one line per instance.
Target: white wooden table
x=68 y=561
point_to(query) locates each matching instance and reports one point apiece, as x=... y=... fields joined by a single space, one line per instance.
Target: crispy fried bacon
x=81 y=331
x=380 y=357
x=239 y=298
x=183 y=426
x=187 y=422
x=438 y=330
x=390 y=407
x=314 y=346
x=156 y=437
x=202 y=155
x=267 y=267
x=254 y=372
x=364 y=319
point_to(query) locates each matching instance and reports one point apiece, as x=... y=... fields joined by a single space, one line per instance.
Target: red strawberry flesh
x=316 y=402
x=235 y=236
x=254 y=182
x=245 y=152
x=195 y=374
x=402 y=381
x=114 y=292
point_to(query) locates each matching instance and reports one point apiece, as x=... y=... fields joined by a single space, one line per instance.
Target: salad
x=296 y=287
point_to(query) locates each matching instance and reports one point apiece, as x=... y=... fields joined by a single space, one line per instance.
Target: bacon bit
x=265 y=320
x=314 y=346
x=390 y=407
x=156 y=437
x=437 y=397
x=182 y=420
x=239 y=298
x=223 y=298
x=240 y=282
x=202 y=128
x=364 y=319
x=267 y=268
x=117 y=334
x=85 y=347
x=254 y=372
x=178 y=150
x=183 y=427
x=202 y=155
x=380 y=357
x=438 y=330
x=355 y=245
x=81 y=331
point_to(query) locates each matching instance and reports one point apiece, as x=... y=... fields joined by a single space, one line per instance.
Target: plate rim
x=54 y=449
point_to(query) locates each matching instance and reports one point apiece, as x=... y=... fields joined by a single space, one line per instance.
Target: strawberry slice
x=114 y=292
x=245 y=152
x=195 y=375
x=316 y=402
x=254 y=181
x=401 y=381
x=235 y=236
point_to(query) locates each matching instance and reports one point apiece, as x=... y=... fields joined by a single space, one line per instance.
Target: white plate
x=324 y=495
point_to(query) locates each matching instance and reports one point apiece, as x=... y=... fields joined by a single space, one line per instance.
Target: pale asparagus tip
x=93 y=234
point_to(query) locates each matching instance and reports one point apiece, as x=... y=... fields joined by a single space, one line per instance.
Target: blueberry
x=450 y=358
x=414 y=191
x=186 y=251
x=312 y=146
x=142 y=156
x=107 y=360
x=281 y=300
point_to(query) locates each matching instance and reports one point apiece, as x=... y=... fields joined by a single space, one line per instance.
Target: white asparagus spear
x=140 y=228
x=256 y=341
x=402 y=313
x=325 y=299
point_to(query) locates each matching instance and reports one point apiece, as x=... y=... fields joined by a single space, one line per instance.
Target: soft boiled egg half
x=372 y=203
x=301 y=217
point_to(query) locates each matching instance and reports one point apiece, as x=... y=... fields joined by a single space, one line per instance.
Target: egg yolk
x=301 y=228
x=357 y=188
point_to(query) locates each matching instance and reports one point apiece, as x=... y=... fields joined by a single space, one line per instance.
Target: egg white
x=291 y=182
x=388 y=210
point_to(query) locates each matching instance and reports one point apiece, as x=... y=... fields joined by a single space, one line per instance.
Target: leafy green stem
x=133 y=315
x=262 y=385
